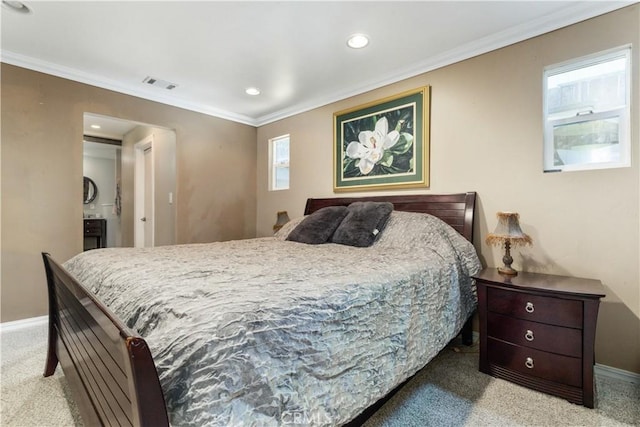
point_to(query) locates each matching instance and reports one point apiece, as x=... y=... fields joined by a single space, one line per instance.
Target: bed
x=263 y=331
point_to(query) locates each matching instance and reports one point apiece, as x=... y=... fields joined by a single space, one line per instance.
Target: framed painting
x=383 y=144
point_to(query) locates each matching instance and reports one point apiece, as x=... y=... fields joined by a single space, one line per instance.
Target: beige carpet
x=28 y=398
x=449 y=392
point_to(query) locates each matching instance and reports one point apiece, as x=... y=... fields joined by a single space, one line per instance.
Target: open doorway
x=122 y=212
x=102 y=153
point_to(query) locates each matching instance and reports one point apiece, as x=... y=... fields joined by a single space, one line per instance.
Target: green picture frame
x=383 y=144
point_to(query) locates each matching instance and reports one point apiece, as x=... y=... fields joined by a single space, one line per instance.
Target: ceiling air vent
x=160 y=83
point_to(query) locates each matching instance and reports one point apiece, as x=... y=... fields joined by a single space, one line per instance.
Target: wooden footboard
x=109 y=368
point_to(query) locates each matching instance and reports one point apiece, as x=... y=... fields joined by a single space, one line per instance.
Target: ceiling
x=294 y=52
x=107 y=127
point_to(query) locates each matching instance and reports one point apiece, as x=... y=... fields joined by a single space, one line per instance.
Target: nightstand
x=538 y=330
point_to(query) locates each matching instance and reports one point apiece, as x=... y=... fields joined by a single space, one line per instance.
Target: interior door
x=148 y=198
x=144 y=194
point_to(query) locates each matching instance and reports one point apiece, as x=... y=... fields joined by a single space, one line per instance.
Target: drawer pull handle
x=529 y=363
x=529 y=335
x=529 y=307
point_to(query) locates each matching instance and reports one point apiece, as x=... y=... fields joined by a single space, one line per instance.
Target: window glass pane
x=594 y=141
x=282 y=178
x=593 y=88
x=281 y=151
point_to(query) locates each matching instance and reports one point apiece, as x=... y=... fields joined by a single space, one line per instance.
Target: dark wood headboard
x=454 y=209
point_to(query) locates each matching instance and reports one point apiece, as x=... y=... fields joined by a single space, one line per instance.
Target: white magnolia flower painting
x=383 y=144
x=376 y=147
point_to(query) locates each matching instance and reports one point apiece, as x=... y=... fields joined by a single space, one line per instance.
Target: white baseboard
x=616 y=374
x=16 y=325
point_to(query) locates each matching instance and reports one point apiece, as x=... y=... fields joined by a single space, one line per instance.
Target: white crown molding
x=578 y=11
x=565 y=17
x=103 y=82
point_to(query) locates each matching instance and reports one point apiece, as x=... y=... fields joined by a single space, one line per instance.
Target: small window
x=586 y=112
x=279 y=163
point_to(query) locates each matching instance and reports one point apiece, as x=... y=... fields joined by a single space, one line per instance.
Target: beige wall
x=486 y=136
x=41 y=176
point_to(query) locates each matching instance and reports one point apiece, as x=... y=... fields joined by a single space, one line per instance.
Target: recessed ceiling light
x=95 y=126
x=252 y=91
x=357 y=41
x=16 y=6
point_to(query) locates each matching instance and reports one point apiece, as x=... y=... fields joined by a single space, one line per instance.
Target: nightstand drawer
x=536 y=308
x=555 y=339
x=92 y=226
x=552 y=367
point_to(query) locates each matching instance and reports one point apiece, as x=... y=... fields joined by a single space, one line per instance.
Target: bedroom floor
x=440 y=396
x=450 y=392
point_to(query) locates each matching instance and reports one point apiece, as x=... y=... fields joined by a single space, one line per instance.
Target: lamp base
x=507 y=260
x=506 y=270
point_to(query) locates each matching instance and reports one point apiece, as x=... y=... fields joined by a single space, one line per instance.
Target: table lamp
x=281 y=219
x=509 y=233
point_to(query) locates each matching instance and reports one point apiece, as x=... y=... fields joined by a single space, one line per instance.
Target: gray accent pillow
x=363 y=224
x=318 y=227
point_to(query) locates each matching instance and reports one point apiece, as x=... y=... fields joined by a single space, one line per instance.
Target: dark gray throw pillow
x=363 y=224
x=318 y=227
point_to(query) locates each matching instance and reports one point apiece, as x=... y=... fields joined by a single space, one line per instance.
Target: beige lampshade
x=508 y=229
x=282 y=217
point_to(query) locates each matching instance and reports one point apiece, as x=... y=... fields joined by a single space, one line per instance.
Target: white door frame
x=139 y=191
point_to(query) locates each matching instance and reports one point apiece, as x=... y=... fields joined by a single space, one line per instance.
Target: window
x=279 y=163
x=586 y=112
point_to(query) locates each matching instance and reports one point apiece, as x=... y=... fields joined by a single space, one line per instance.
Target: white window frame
x=274 y=166
x=622 y=113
